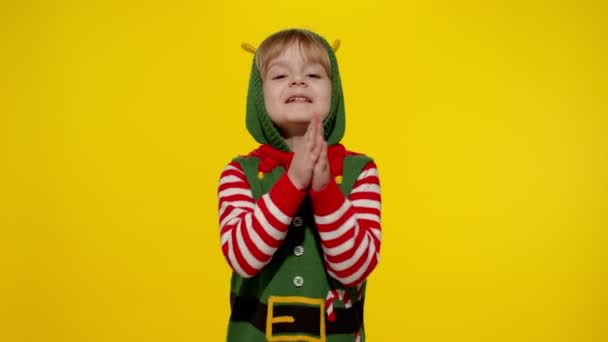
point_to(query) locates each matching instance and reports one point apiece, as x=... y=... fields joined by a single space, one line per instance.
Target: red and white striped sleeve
x=252 y=231
x=350 y=227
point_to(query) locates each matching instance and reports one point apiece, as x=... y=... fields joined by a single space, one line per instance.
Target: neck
x=294 y=141
x=294 y=136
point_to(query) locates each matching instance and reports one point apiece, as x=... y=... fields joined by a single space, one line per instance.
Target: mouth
x=298 y=99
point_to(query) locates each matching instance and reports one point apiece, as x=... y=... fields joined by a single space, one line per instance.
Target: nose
x=298 y=81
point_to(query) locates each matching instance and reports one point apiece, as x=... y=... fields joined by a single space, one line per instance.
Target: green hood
x=263 y=130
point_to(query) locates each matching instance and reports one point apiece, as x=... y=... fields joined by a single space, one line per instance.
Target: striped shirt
x=349 y=228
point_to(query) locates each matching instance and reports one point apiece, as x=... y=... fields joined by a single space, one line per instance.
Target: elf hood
x=263 y=130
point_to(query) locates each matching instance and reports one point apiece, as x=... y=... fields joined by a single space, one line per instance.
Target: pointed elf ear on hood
x=261 y=127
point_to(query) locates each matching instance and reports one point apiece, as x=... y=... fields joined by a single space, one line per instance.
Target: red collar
x=271 y=157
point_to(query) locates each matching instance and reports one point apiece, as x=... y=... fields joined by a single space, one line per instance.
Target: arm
x=350 y=227
x=252 y=232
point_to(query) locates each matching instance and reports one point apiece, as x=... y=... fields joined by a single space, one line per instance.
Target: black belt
x=306 y=318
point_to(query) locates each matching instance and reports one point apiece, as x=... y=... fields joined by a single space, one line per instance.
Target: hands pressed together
x=310 y=166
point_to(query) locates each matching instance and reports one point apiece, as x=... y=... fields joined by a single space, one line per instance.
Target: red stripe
x=253 y=249
x=355 y=267
x=349 y=253
x=350 y=212
x=367 y=195
x=263 y=234
x=238 y=256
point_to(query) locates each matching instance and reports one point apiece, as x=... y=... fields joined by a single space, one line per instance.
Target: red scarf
x=271 y=157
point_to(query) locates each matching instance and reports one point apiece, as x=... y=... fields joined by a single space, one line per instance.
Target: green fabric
x=276 y=278
x=261 y=127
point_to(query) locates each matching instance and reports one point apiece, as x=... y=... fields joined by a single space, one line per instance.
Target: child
x=300 y=215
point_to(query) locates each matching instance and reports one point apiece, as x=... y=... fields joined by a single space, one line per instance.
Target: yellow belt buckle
x=271 y=319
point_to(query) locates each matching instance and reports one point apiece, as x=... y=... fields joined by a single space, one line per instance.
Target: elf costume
x=300 y=259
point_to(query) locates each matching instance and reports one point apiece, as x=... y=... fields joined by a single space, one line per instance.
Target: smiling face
x=295 y=88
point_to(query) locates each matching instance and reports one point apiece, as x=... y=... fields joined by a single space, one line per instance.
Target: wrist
x=320 y=186
x=295 y=181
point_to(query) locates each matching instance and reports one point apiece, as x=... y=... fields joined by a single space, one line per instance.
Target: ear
x=336 y=45
x=248 y=47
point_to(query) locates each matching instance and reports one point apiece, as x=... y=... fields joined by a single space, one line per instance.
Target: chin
x=299 y=117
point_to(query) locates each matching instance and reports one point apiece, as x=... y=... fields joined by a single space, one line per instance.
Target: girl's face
x=295 y=90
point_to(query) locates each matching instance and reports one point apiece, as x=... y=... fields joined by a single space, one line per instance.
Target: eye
x=278 y=77
x=314 y=75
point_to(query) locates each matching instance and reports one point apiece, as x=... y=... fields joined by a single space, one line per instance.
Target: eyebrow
x=285 y=65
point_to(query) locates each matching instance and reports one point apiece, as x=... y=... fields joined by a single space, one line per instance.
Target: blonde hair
x=311 y=46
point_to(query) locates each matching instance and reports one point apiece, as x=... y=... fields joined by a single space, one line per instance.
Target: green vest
x=285 y=301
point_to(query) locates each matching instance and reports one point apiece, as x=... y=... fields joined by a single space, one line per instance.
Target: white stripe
x=235 y=264
x=269 y=228
x=366 y=188
x=231 y=167
x=255 y=238
x=251 y=260
x=275 y=211
x=340 y=249
x=367 y=173
x=241 y=204
x=377 y=233
x=333 y=217
x=345 y=246
x=364 y=203
x=341 y=266
x=235 y=191
x=355 y=276
x=343 y=229
x=369 y=217
x=231 y=179
x=225 y=237
x=225 y=206
x=233 y=214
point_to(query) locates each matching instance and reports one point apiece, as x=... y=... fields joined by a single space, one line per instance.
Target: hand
x=320 y=174
x=305 y=157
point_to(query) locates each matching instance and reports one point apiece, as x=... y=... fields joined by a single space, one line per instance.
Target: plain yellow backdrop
x=488 y=121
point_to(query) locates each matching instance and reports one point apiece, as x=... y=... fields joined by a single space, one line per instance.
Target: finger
x=309 y=137
x=319 y=137
x=323 y=154
x=320 y=128
x=317 y=149
x=314 y=132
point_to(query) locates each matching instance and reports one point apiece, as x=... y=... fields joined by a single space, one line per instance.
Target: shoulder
x=354 y=153
x=243 y=163
x=360 y=158
x=368 y=170
x=253 y=155
x=351 y=154
x=256 y=153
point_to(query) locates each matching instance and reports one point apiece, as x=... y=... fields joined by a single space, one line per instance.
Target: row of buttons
x=298 y=222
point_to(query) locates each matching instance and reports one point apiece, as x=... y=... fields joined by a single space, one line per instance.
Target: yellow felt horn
x=336 y=45
x=248 y=47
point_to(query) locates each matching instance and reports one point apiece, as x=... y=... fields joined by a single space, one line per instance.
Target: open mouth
x=298 y=99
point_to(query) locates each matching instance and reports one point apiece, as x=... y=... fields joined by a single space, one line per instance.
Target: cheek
x=268 y=97
x=270 y=94
x=327 y=95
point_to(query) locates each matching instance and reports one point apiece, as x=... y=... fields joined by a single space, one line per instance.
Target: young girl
x=300 y=215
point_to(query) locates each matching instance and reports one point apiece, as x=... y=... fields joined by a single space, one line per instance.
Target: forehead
x=284 y=50
x=295 y=54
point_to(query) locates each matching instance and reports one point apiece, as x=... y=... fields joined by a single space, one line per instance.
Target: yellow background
x=488 y=121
